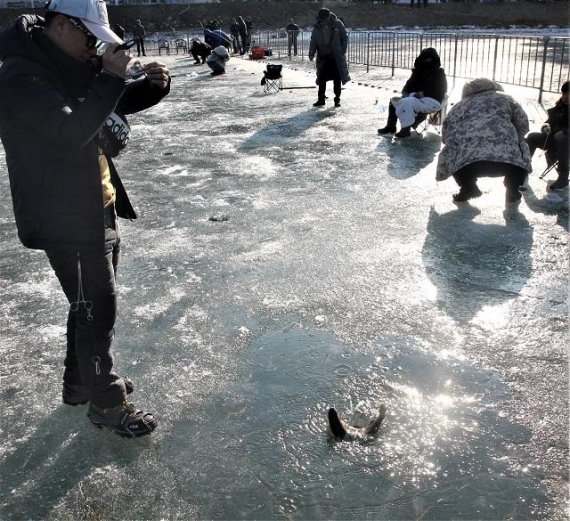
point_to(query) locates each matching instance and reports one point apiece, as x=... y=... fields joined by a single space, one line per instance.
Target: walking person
x=62 y=120
x=423 y=93
x=139 y=34
x=553 y=138
x=483 y=136
x=292 y=35
x=329 y=41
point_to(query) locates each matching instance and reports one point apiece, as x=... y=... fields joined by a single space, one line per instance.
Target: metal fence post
x=495 y=57
x=455 y=60
x=368 y=52
x=393 y=53
x=543 y=71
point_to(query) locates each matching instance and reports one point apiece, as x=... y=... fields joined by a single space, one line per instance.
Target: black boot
x=390 y=127
x=562 y=182
x=337 y=102
x=319 y=103
x=404 y=132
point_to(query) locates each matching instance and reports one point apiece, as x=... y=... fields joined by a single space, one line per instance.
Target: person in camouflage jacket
x=483 y=136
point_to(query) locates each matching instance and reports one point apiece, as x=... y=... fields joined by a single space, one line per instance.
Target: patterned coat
x=486 y=125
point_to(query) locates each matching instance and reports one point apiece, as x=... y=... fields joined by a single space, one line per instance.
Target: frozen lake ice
x=336 y=272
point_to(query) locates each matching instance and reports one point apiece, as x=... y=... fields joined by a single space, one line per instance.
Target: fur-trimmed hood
x=479 y=85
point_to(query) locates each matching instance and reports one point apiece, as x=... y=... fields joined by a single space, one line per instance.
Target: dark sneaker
x=467 y=193
x=559 y=184
x=337 y=102
x=77 y=395
x=124 y=419
x=319 y=103
x=404 y=132
x=387 y=130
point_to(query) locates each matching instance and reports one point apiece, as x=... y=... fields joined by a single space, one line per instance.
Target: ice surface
x=343 y=275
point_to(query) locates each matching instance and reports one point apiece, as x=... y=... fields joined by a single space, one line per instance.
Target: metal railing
x=537 y=62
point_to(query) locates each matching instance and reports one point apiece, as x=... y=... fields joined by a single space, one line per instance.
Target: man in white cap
x=61 y=122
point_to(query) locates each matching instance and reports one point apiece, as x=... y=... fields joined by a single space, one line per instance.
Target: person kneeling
x=483 y=136
x=217 y=60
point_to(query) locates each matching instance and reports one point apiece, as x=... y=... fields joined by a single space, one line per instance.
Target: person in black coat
x=234 y=33
x=199 y=51
x=292 y=35
x=423 y=93
x=553 y=138
x=242 y=34
x=62 y=120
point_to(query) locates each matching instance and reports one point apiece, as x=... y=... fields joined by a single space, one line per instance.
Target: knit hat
x=323 y=13
x=565 y=87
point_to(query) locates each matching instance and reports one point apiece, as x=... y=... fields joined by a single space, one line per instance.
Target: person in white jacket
x=217 y=60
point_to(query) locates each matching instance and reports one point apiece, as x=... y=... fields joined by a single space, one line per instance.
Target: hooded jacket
x=486 y=125
x=329 y=37
x=428 y=78
x=53 y=109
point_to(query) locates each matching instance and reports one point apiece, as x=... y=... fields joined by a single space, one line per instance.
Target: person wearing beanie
x=553 y=138
x=329 y=41
x=483 y=136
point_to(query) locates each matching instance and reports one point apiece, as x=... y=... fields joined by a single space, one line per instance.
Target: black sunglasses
x=91 y=38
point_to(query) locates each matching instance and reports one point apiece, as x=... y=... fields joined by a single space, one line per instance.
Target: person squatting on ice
x=199 y=50
x=329 y=41
x=483 y=136
x=217 y=60
x=553 y=138
x=422 y=94
x=62 y=120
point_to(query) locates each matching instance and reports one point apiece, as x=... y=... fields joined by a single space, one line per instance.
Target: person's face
x=73 y=38
x=564 y=98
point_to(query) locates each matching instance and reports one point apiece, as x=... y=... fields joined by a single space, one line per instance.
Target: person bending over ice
x=422 y=94
x=483 y=136
x=217 y=60
x=199 y=51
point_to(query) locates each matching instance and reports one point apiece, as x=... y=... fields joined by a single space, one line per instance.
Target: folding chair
x=432 y=119
x=272 y=79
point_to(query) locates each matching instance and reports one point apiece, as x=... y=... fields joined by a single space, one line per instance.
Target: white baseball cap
x=92 y=13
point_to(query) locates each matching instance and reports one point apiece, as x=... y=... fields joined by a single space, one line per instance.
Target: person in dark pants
x=423 y=93
x=249 y=25
x=139 y=34
x=483 y=136
x=292 y=35
x=234 y=33
x=62 y=120
x=242 y=34
x=553 y=138
x=329 y=42
x=199 y=51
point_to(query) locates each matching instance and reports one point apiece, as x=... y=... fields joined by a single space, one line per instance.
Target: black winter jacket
x=427 y=76
x=52 y=108
x=558 y=118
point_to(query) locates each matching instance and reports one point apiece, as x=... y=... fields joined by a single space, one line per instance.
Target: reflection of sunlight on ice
x=492 y=317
